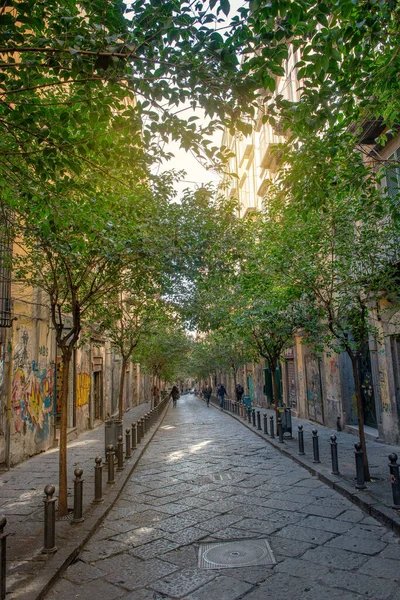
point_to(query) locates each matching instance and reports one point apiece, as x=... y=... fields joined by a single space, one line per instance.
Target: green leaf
x=225 y=6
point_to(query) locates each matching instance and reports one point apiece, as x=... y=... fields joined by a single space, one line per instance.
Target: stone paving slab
x=376 y=499
x=343 y=553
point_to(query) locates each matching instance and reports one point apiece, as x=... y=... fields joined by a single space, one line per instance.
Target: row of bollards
x=254 y=418
x=133 y=437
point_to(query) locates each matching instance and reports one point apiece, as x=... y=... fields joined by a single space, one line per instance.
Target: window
x=393 y=174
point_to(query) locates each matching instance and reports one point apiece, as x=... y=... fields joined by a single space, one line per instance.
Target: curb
x=37 y=588
x=382 y=513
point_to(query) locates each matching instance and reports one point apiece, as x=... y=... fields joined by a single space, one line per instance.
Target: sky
x=196 y=174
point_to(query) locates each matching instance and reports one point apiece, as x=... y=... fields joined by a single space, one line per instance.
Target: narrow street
x=206 y=478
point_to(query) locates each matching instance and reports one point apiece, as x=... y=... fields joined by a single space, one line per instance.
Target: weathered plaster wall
x=331 y=389
x=388 y=327
x=32 y=389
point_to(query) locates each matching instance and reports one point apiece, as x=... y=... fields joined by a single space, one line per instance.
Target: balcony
x=246 y=153
x=269 y=152
x=262 y=190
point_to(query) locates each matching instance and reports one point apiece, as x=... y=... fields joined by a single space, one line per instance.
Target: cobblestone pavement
x=206 y=478
x=21 y=498
x=378 y=488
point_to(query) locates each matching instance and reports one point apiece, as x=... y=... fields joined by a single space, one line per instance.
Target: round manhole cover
x=236 y=554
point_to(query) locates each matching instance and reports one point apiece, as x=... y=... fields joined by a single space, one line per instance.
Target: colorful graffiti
x=83 y=383
x=31 y=392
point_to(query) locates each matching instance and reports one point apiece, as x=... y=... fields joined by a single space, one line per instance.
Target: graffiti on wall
x=83 y=382
x=32 y=390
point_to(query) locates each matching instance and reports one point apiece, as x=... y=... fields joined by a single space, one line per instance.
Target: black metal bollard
x=258 y=420
x=49 y=521
x=98 y=480
x=3 y=558
x=315 y=444
x=334 y=456
x=359 y=454
x=301 y=440
x=271 y=426
x=253 y=416
x=265 y=423
x=120 y=453
x=280 y=430
x=338 y=424
x=139 y=430
x=395 y=480
x=110 y=462
x=78 y=497
x=148 y=421
x=134 y=436
x=249 y=414
x=144 y=425
x=128 y=452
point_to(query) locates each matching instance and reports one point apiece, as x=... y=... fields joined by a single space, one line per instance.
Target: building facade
x=320 y=386
x=30 y=383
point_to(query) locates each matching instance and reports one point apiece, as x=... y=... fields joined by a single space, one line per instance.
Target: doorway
x=291 y=384
x=367 y=390
x=314 y=389
x=98 y=395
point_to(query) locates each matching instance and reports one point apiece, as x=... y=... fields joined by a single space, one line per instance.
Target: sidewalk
x=21 y=501
x=376 y=499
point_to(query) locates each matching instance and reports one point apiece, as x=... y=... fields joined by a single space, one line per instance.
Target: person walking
x=174 y=393
x=221 y=391
x=239 y=392
x=207 y=395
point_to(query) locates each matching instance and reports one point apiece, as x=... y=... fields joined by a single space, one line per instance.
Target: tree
x=347 y=60
x=270 y=313
x=340 y=255
x=221 y=350
x=69 y=69
x=127 y=316
x=163 y=354
x=77 y=250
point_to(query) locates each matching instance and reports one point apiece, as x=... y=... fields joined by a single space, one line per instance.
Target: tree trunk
x=62 y=483
x=234 y=371
x=121 y=389
x=275 y=395
x=360 y=413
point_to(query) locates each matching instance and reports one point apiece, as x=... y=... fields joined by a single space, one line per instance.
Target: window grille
x=5 y=280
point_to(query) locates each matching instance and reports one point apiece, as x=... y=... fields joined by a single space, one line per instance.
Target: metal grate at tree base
x=231 y=555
